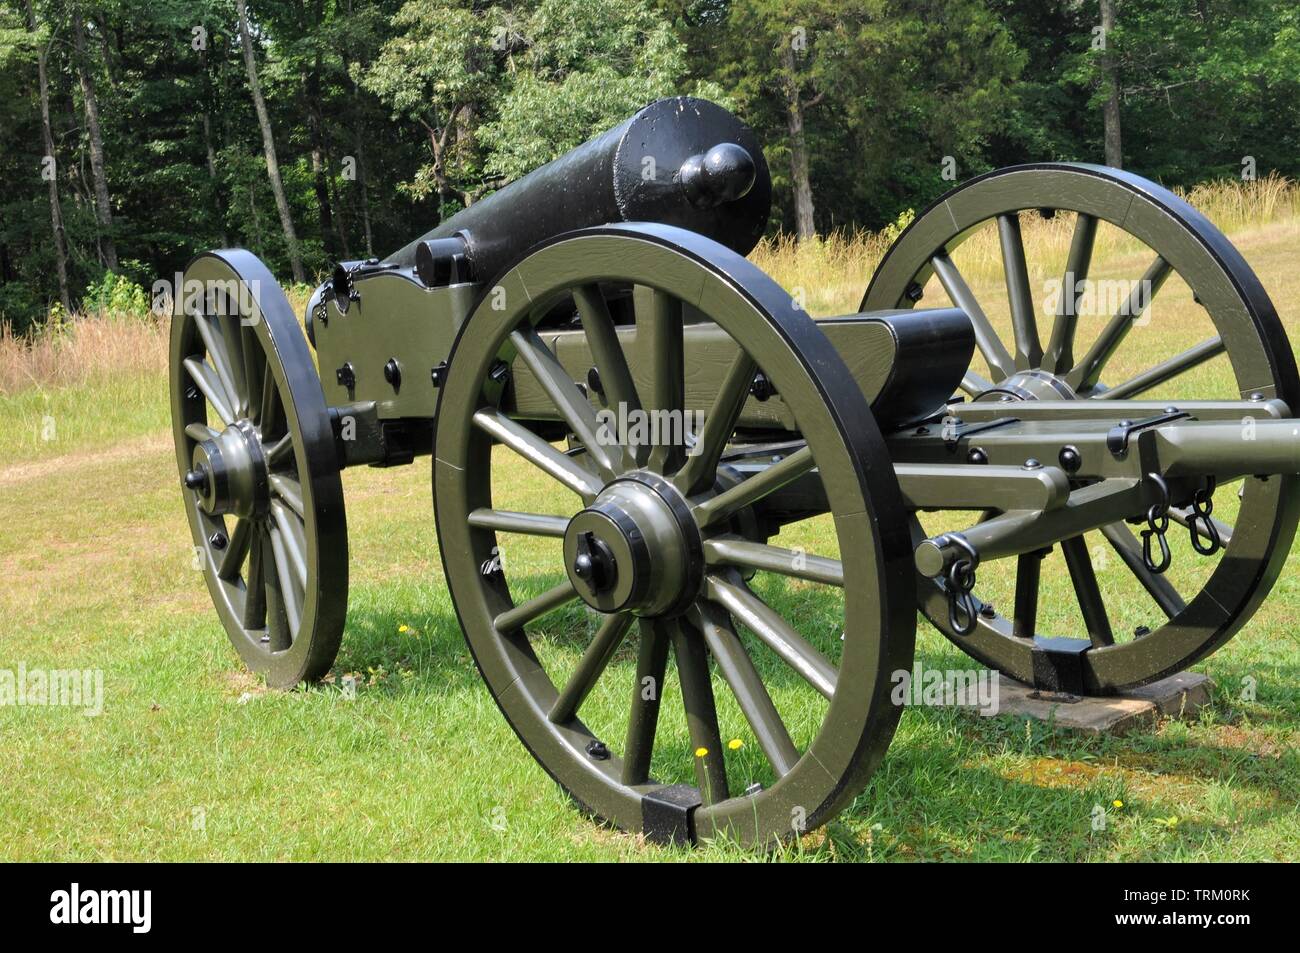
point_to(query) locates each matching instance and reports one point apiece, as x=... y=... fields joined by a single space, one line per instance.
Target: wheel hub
x=229 y=473
x=1029 y=385
x=635 y=548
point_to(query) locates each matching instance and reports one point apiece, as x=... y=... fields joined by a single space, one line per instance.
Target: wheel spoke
x=269 y=409
x=608 y=356
x=200 y=432
x=222 y=360
x=538 y=452
x=701 y=713
x=294 y=536
x=787 y=562
x=975 y=384
x=659 y=319
x=1029 y=569
x=280 y=452
x=751 y=694
x=206 y=380
x=1128 y=548
x=1089 y=370
x=1166 y=371
x=774 y=632
x=253 y=362
x=289 y=592
x=236 y=549
x=1079 y=562
x=647 y=692
x=289 y=490
x=567 y=398
x=769 y=480
x=528 y=524
x=994 y=351
x=591 y=666
x=514 y=619
x=1060 y=347
x=701 y=467
x=1024 y=324
x=233 y=336
x=255 y=582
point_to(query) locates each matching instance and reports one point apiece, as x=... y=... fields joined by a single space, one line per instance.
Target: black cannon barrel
x=679 y=161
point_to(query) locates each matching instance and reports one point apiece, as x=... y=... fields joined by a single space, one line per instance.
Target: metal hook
x=1202 y=507
x=960 y=581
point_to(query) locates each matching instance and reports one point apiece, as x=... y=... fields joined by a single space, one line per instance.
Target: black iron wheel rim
x=860 y=719
x=1253 y=339
x=296 y=540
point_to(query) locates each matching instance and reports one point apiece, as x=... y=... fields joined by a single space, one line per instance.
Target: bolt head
x=1032 y=464
x=218 y=540
x=597 y=751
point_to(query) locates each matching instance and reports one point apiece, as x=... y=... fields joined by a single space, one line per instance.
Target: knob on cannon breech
x=723 y=174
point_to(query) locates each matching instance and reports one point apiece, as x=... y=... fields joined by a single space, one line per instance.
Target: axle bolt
x=218 y=540
x=1070 y=459
x=196 y=479
x=393 y=373
x=597 y=751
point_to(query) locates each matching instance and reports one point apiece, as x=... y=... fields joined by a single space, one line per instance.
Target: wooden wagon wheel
x=259 y=470
x=1248 y=335
x=650 y=542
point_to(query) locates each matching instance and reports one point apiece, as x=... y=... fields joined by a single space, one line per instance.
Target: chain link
x=1202 y=507
x=1157 y=526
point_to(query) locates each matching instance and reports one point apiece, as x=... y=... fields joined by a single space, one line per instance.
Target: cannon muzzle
x=679 y=161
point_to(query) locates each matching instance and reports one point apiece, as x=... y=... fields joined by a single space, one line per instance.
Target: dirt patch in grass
x=114 y=454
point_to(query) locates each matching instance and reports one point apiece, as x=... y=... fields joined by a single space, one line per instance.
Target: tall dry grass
x=80 y=350
x=828 y=275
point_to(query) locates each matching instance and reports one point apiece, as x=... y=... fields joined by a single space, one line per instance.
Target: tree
x=50 y=170
x=1111 y=85
x=268 y=145
x=499 y=91
x=872 y=94
x=103 y=205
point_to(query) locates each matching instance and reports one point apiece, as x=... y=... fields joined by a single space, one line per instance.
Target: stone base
x=1179 y=696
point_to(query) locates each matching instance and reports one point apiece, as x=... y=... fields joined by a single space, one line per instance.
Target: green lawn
x=194 y=759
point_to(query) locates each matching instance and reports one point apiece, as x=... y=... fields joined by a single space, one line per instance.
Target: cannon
x=686 y=528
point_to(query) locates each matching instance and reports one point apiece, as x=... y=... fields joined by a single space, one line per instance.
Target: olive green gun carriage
x=540 y=327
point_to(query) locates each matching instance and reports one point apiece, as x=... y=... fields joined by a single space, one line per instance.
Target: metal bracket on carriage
x=1117 y=438
x=958 y=430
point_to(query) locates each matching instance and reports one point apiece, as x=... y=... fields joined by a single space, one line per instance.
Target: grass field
x=192 y=758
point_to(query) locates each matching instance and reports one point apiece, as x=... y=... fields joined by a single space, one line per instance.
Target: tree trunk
x=360 y=157
x=1110 y=72
x=56 y=211
x=799 y=180
x=268 y=143
x=103 y=210
x=211 y=150
x=320 y=183
x=365 y=192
